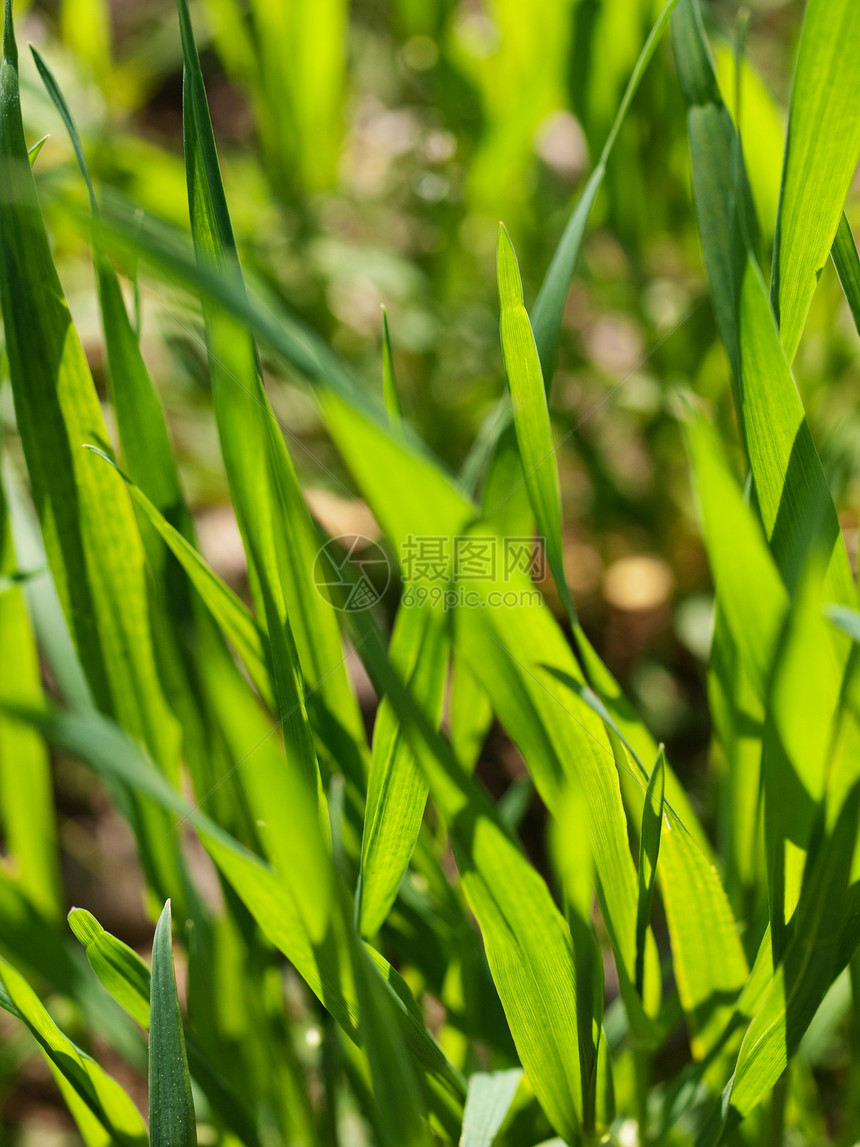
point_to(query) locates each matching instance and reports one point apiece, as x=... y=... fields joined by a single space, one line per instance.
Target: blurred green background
x=369 y=150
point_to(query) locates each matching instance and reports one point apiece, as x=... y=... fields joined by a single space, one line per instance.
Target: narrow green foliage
x=26 y=790
x=459 y=993
x=649 y=851
x=236 y=623
x=397 y=788
x=34 y=150
x=97 y=1096
x=117 y=966
x=791 y=489
x=171 y=1107
x=389 y=382
x=531 y=417
x=548 y=310
x=821 y=155
x=401 y=1117
x=277 y=530
x=847 y=263
x=90 y=533
x=488 y=1102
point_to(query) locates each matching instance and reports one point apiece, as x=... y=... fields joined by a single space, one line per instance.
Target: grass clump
x=373 y=948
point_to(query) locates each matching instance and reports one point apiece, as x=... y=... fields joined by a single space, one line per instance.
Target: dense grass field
x=429 y=687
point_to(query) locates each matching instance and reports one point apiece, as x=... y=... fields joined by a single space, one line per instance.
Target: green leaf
x=813 y=960
x=527 y=941
x=410 y=495
x=791 y=488
x=847 y=264
x=548 y=310
x=397 y=788
x=90 y=533
x=649 y=851
x=400 y=1109
x=26 y=791
x=821 y=155
x=122 y=972
x=389 y=382
x=117 y=966
x=33 y=152
x=172 y=1122
x=277 y=530
x=488 y=1102
x=99 y=1094
x=236 y=623
x=531 y=416
x=749 y=589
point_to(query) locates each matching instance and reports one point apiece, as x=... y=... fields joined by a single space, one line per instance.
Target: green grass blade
x=236 y=623
x=749 y=589
x=548 y=310
x=391 y=473
x=738 y=716
x=389 y=382
x=821 y=155
x=531 y=415
x=90 y=534
x=33 y=152
x=114 y=757
x=100 y=1094
x=172 y=1122
x=649 y=851
x=527 y=941
x=147 y=454
x=847 y=264
x=118 y=967
x=397 y=788
x=277 y=529
x=26 y=789
x=124 y=974
x=488 y=1102
x=54 y=91
x=400 y=1114
x=812 y=962
x=791 y=488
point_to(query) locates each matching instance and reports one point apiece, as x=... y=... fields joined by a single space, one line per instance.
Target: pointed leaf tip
x=10 y=48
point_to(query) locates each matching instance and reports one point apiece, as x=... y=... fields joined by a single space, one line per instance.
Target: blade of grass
x=102 y=745
x=389 y=383
x=812 y=962
x=90 y=534
x=275 y=522
x=101 y=1095
x=172 y=1122
x=237 y=624
x=397 y=788
x=401 y=1118
x=791 y=489
x=847 y=264
x=531 y=415
x=488 y=1102
x=649 y=851
x=99 y=572
x=693 y=895
x=26 y=788
x=117 y=966
x=124 y=974
x=548 y=310
x=821 y=153
x=147 y=453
